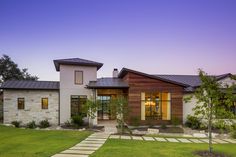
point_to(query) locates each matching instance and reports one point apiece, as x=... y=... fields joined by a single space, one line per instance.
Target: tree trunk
x=210 y=128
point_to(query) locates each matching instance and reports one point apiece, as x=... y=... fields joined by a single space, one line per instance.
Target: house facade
x=152 y=99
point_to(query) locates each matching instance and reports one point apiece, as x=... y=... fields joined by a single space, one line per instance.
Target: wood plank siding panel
x=138 y=83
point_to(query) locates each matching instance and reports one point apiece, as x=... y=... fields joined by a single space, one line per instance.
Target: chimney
x=115 y=73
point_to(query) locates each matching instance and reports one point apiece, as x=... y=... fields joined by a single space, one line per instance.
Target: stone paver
x=196 y=140
x=230 y=140
x=137 y=138
x=160 y=139
x=95 y=139
x=125 y=137
x=69 y=155
x=220 y=141
x=184 y=140
x=84 y=148
x=114 y=136
x=93 y=142
x=148 y=138
x=89 y=145
x=207 y=141
x=83 y=152
x=172 y=140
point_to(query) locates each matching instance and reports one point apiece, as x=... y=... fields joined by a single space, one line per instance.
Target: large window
x=155 y=105
x=78 y=77
x=21 y=103
x=77 y=101
x=44 y=103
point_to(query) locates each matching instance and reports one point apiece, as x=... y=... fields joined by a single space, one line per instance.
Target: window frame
x=160 y=104
x=18 y=100
x=82 y=81
x=43 y=105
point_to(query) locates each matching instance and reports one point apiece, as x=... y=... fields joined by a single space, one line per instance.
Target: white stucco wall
x=188 y=106
x=68 y=87
x=33 y=107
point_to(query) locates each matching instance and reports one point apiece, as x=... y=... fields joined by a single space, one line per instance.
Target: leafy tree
x=90 y=108
x=119 y=107
x=213 y=101
x=9 y=70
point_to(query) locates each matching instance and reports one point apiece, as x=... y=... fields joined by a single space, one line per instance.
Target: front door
x=104 y=110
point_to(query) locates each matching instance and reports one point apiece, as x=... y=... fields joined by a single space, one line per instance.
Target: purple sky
x=157 y=37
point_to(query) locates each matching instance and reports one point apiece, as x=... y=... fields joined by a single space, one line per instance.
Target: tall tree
x=213 y=101
x=9 y=70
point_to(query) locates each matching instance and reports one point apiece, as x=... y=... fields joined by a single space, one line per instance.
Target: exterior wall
x=68 y=87
x=33 y=107
x=227 y=81
x=1 y=107
x=138 y=84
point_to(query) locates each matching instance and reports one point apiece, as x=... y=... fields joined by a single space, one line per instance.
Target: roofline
x=59 y=62
x=106 y=87
x=30 y=88
x=124 y=71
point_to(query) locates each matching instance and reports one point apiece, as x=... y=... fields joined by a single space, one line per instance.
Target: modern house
x=152 y=99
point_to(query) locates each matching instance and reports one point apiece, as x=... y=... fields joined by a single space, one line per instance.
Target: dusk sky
x=152 y=36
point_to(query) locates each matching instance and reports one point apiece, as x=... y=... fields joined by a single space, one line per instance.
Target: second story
x=76 y=73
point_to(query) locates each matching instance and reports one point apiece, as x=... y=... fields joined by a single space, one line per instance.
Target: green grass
x=135 y=148
x=16 y=142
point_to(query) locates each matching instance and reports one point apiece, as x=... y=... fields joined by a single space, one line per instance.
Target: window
x=76 y=102
x=44 y=103
x=21 y=103
x=156 y=105
x=104 y=111
x=78 y=77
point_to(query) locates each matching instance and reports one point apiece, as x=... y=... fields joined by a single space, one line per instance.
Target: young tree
x=213 y=101
x=9 y=70
x=119 y=106
x=90 y=108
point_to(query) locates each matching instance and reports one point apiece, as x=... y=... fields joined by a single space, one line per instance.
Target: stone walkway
x=85 y=147
x=177 y=140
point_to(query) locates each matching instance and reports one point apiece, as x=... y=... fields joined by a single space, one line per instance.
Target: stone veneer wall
x=33 y=107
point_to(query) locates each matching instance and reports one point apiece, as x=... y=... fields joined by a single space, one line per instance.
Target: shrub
x=31 y=125
x=16 y=123
x=175 y=121
x=233 y=134
x=193 y=122
x=135 y=120
x=77 y=120
x=44 y=124
x=163 y=126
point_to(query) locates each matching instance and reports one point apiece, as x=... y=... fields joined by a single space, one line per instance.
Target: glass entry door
x=104 y=108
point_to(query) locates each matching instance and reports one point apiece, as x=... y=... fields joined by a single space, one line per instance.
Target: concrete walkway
x=176 y=140
x=85 y=147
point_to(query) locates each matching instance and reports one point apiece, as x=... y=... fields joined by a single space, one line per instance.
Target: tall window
x=21 y=103
x=77 y=101
x=44 y=103
x=156 y=105
x=78 y=77
x=104 y=108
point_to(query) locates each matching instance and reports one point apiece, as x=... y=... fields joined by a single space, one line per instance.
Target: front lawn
x=16 y=142
x=135 y=148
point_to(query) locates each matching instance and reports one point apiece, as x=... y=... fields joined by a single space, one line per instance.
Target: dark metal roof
x=124 y=71
x=76 y=61
x=26 y=84
x=108 y=82
x=190 y=80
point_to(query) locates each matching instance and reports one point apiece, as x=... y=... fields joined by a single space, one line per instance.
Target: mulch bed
x=208 y=154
